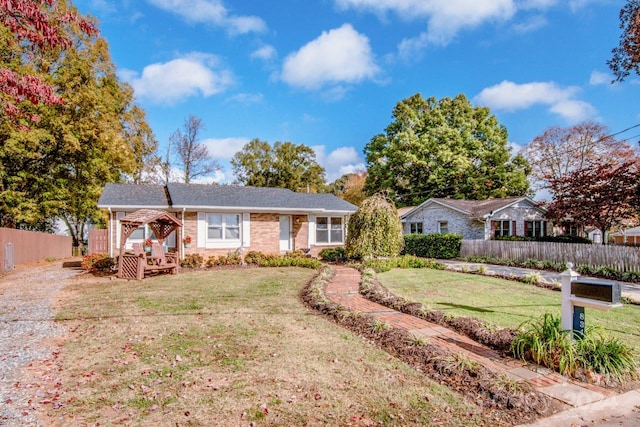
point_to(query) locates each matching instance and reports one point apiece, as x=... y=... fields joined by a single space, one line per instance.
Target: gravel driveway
x=27 y=296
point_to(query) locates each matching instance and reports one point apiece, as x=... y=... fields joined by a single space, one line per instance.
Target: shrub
x=233 y=258
x=442 y=246
x=254 y=257
x=380 y=265
x=374 y=230
x=564 y=238
x=332 y=254
x=192 y=261
x=98 y=263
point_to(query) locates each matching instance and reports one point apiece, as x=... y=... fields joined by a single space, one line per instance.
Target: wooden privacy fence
x=20 y=246
x=98 y=241
x=620 y=258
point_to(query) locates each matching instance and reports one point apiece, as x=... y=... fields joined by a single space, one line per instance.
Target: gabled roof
x=635 y=231
x=474 y=208
x=134 y=196
x=203 y=196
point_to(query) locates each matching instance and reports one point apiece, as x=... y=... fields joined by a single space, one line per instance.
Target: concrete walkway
x=629 y=290
x=343 y=290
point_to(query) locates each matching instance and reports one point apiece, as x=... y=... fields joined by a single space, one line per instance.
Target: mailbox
x=608 y=292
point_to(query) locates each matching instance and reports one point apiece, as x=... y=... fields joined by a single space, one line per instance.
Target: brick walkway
x=343 y=290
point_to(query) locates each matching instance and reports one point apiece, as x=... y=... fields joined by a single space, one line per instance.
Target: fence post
x=566 y=314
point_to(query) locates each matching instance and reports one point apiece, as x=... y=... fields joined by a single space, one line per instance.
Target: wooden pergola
x=160 y=222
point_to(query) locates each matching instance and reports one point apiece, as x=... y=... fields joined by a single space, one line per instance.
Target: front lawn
x=230 y=347
x=500 y=302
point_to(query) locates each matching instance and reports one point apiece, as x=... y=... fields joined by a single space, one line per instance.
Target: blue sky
x=327 y=73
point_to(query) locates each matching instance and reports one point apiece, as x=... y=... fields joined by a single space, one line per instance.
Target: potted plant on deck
x=147 y=245
x=187 y=241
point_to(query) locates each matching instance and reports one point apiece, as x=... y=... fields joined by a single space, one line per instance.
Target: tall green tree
x=444 y=148
x=58 y=167
x=283 y=165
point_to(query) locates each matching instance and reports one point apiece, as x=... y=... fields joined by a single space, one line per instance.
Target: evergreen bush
x=441 y=246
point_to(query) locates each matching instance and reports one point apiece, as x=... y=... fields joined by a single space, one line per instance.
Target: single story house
x=218 y=219
x=630 y=236
x=477 y=219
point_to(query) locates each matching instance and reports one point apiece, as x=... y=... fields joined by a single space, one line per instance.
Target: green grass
x=217 y=347
x=503 y=303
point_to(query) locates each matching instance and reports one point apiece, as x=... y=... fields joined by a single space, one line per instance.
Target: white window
x=443 y=227
x=223 y=227
x=329 y=229
x=415 y=227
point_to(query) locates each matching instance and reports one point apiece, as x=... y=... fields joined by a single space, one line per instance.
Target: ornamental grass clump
x=544 y=342
x=374 y=230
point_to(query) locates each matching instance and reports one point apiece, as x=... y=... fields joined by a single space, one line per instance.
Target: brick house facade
x=223 y=219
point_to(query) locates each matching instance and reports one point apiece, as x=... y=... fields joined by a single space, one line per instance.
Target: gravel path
x=26 y=329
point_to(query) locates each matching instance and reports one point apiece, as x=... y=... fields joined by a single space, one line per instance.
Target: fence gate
x=9 y=263
x=98 y=241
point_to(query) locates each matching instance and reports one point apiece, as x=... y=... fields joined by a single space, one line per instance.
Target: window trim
x=542 y=230
x=416 y=228
x=224 y=227
x=329 y=230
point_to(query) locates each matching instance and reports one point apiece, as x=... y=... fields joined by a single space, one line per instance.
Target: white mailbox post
x=578 y=294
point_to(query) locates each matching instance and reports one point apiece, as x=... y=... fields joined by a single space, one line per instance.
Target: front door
x=285 y=232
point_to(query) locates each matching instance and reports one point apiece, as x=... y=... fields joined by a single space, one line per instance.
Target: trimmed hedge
x=440 y=246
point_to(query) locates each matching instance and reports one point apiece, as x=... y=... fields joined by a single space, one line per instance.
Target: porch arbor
x=161 y=223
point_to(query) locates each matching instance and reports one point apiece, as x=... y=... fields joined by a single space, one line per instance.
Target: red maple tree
x=37 y=25
x=601 y=195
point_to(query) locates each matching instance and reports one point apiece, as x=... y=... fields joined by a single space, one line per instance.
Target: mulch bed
x=503 y=401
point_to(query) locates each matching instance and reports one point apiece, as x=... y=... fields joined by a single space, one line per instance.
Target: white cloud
x=172 y=81
x=530 y=24
x=211 y=12
x=224 y=148
x=509 y=96
x=339 y=56
x=600 y=78
x=445 y=17
x=573 y=110
x=265 y=53
x=339 y=162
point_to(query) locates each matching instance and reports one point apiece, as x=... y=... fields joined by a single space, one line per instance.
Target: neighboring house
x=218 y=219
x=477 y=219
x=630 y=236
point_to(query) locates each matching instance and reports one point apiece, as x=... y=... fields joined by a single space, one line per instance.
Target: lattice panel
x=128 y=267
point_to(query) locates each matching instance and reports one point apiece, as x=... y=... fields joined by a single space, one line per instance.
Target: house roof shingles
x=473 y=208
x=136 y=195
x=220 y=196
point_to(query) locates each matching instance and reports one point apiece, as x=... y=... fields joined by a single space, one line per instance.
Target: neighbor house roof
x=474 y=208
x=203 y=196
x=635 y=231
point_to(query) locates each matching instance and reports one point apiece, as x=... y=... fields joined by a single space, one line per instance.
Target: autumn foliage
x=36 y=25
x=626 y=56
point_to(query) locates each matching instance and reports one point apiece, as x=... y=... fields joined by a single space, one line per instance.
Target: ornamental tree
x=374 y=230
x=443 y=148
x=558 y=152
x=602 y=195
x=626 y=56
x=35 y=26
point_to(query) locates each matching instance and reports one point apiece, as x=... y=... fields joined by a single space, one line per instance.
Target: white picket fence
x=620 y=258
